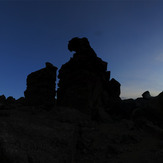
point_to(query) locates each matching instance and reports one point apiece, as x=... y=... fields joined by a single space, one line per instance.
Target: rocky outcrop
x=84 y=79
x=10 y=100
x=2 y=99
x=21 y=100
x=146 y=95
x=150 y=108
x=41 y=86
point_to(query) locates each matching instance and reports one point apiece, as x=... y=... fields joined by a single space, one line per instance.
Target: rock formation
x=41 y=86
x=146 y=95
x=84 y=79
x=2 y=99
x=149 y=107
x=10 y=100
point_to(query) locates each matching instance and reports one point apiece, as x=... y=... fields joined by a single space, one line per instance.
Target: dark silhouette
x=41 y=86
x=84 y=79
x=146 y=95
x=149 y=107
x=81 y=46
x=10 y=100
x=2 y=99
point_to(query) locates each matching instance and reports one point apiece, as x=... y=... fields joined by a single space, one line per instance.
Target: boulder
x=146 y=95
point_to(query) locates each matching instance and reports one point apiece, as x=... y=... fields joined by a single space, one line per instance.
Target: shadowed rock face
x=84 y=79
x=41 y=86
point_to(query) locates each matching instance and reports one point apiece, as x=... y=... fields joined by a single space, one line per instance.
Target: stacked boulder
x=41 y=86
x=84 y=79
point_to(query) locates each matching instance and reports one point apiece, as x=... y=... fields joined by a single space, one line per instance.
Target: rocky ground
x=65 y=135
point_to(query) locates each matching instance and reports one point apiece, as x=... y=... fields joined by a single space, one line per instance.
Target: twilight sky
x=126 y=34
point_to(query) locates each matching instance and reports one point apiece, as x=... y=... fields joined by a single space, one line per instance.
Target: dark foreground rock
x=2 y=99
x=41 y=86
x=32 y=135
x=150 y=108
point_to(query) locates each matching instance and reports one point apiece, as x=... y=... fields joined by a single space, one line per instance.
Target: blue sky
x=126 y=34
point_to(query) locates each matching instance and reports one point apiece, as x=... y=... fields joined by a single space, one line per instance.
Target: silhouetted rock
x=125 y=109
x=160 y=98
x=81 y=46
x=84 y=79
x=146 y=95
x=2 y=99
x=41 y=86
x=150 y=108
x=114 y=88
x=10 y=100
x=21 y=100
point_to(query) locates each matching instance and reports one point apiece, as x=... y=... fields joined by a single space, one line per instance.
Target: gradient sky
x=126 y=34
